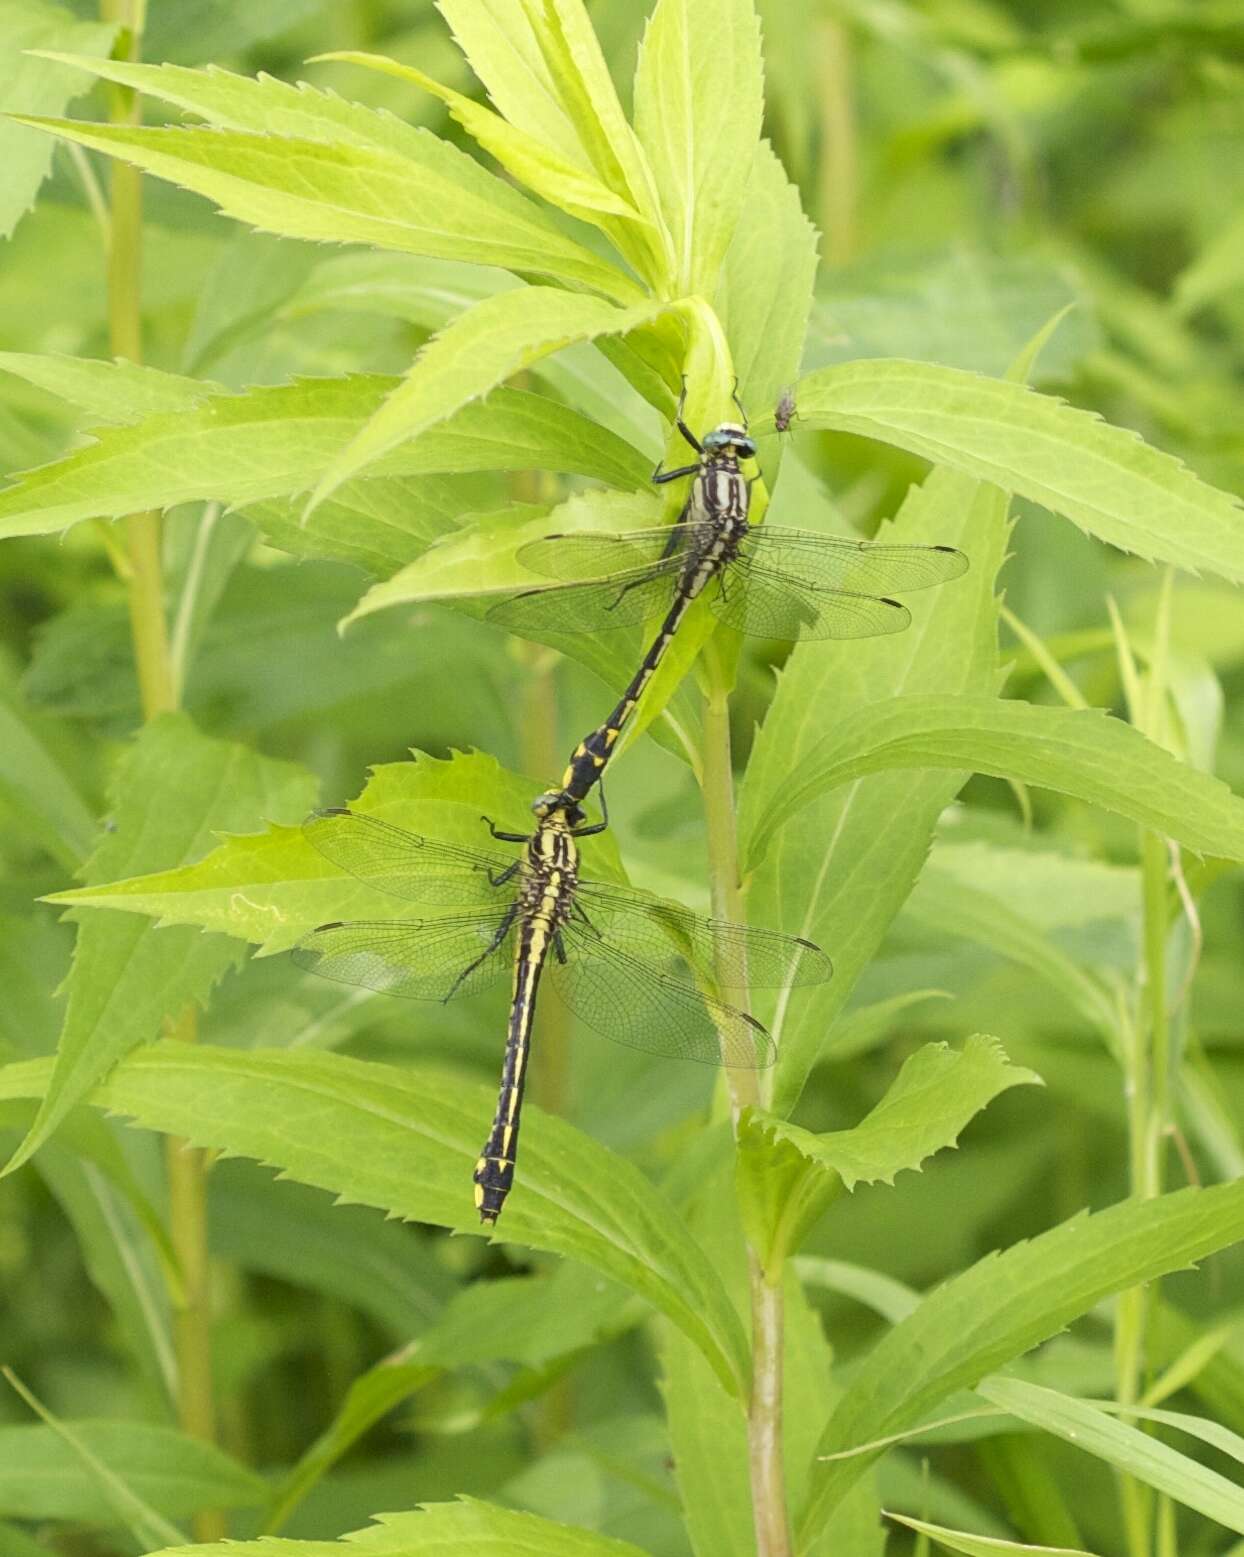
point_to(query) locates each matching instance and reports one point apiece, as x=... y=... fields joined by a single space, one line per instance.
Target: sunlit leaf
x=116 y=391
x=126 y=977
x=1004 y=1305
x=271 y=442
x=480 y=349
x=33 y=85
x=698 y=90
x=1103 y=478
x=1078 y=752
x=407 y=1141
x=787 y=1175
x=436 y=201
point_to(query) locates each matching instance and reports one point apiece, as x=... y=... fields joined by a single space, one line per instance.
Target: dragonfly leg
x=502 y=931
x=659 y=477
x=596 y=827
x=734 y=395
x=502 y=876
x=559 y=948
x=504 y=837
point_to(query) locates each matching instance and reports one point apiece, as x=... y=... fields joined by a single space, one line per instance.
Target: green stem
x=764 y=1417
x=185 y=1165
x=839 y=174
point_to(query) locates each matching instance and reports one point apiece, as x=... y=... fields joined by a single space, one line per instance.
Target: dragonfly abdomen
x=494 y=1170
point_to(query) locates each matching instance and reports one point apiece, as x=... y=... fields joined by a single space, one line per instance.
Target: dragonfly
x=766 y=580
x=638 y=969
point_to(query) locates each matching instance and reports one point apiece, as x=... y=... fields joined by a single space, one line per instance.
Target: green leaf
x=938 y=1091
x=303 y=1237
x=999 y=920
x=1103 y=478
x=1003 y=1306
x=980 y=1545
x=841 y=876
x=38 y=790
x=432 y=199
x=266 y=105
x=464 y=1529
x=41 y=1477
x=407 y=1141
x=378 y=523
x=541 y=167
x=1125 y=1447
x=370 y=1398
x=478 y=558
x=272 y=887
x=119 y=1254
x=1079 y=752
x=699 y=86
x=127 y=978
x=116 y=391
x=530 y=1320
x=480 y=350
x=270 y=442
x=765 y=294
x=36 y=85
x=543 y=67
x=787 y=1174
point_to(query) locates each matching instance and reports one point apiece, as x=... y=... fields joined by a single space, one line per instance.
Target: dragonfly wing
x=403 y=863
x=595 y=606
x=857 y=567
x=632 y=1003
x=685 y=946
x=766 y=604
x=584 y=556
x=419 y=959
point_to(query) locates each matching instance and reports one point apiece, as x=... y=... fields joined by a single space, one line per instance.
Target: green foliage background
x=437 y=312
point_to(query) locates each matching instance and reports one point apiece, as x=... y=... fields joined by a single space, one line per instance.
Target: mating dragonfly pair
x=642 y=971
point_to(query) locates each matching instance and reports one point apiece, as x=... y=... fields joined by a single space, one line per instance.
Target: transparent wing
x=858 y=567
x=406 y=864
x=419 y=959
x=682 y=945
x=579 y=557
x=597 y=606
x=629 y=1002
x=754 y=600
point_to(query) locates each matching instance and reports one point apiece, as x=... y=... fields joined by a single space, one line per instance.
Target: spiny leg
x=470 y=968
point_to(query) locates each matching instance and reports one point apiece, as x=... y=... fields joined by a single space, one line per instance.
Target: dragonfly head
x=555 y=801
x=731 y=440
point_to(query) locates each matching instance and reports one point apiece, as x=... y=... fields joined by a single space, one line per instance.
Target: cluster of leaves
x=355 y=437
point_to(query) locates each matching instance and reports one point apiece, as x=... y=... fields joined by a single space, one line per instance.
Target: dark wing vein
x=403 y=863
x=685 y=946
x=419 y=959
x=858 y=567
x=766 y=604
x=631 y=1003
x=601 y=604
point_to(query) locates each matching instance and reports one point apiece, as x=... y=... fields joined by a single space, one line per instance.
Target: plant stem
x=185 y=1165
x=839 y=175
x=764 y=1417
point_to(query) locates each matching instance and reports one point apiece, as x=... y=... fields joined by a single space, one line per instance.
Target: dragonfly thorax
x=551 y=868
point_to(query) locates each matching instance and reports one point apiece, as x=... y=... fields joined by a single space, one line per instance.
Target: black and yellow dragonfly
x=766 y=580
x=634 y=967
